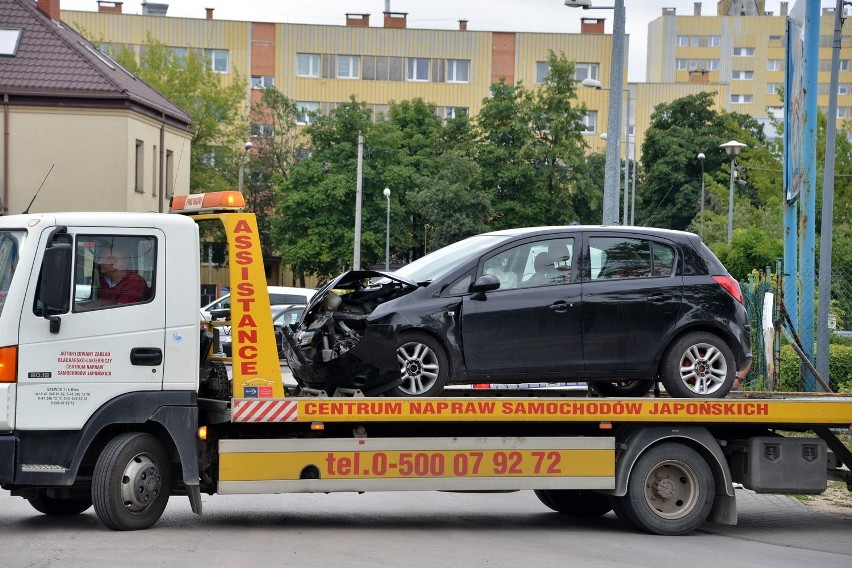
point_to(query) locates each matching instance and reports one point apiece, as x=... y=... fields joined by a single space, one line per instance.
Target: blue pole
x=791 y=161
x=807 y=220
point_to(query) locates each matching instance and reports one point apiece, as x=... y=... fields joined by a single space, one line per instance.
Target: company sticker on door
x=84 y=364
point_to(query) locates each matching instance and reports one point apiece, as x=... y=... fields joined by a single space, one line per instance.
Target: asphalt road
x=413 y=530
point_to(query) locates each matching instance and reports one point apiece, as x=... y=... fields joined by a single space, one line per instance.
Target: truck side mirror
x=55 y=280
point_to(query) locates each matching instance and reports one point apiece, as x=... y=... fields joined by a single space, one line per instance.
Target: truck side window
x=111 y=271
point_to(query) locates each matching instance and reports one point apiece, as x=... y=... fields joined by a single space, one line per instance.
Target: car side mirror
x=220 y=314
x=484 y=283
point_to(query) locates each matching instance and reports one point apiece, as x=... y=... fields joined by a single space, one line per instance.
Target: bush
x=840 y=369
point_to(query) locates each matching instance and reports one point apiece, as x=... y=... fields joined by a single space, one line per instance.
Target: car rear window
x=287 y=299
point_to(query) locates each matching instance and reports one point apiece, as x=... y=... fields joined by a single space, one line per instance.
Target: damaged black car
x=618 y=307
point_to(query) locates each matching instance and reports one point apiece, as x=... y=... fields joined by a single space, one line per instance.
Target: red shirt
x=131 y=289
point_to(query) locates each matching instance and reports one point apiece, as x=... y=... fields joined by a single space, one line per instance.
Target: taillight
x=731 y=286
x=8 y=364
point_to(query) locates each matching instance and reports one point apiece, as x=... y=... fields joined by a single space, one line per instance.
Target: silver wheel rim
x=419 y=367
x=703 y=368
x=140 y=484
x=671 y=490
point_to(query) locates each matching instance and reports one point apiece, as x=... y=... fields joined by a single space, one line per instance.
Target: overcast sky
x=482 y=15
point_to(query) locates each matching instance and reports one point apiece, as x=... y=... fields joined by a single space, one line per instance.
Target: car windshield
x=438 y=263
x=10 y=243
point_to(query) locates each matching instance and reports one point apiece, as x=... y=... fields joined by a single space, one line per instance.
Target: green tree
x=217 y=109
x=530 y=141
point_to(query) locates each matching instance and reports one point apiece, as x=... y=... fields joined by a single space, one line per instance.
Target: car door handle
x=146 y=356
x=560 y=307
x=659 y=298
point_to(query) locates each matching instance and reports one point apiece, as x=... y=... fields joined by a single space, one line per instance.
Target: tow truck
x=122 y=405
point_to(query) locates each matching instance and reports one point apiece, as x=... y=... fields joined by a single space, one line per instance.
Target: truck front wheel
x=58 y=506
x=131 y=482
x=670 y=491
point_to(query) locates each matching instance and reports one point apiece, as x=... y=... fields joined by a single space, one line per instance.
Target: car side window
x=663 y=258
x=540 y=263
x=619 y=257
x=110 y=271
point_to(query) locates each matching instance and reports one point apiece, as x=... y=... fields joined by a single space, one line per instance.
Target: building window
x=774 y=65
x=680 y=64
x=307 y=64
x=741 y=99
x=307 y=112
x=590 y=121
x=154 y=173
x=179 y=53
x=714 y=41
x=772 y=88
x=541 y=71
x=217 y=59
x=458 y=70
x=10 y=39
x=742 y=75
x=456 y=112
x=260 y=130
x=712 y=64
x=348 y=67
x=382 y=68
x=140 y=165
x=262 y=81
x=585 y=71
x=693 y=64
x=843 y=89
x=418 y=69
x=170 y=173
x=682 y=41
x=743 y=52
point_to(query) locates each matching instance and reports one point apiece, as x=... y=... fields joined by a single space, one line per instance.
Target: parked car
x=281 y=315
x=617 y=307
x=278 y=295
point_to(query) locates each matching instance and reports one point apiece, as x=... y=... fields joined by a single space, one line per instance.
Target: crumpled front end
x=341 y=344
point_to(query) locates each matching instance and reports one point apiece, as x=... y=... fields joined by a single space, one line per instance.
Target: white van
x=278 y=295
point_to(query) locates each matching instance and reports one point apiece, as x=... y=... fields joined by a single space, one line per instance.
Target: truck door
x=109 y=342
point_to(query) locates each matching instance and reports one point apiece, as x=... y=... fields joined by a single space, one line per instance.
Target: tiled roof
x=53 y=60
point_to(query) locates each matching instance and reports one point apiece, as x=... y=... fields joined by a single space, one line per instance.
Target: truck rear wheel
x=131 y=482
x=574 y=503
x=58 y=506
x=670 y=491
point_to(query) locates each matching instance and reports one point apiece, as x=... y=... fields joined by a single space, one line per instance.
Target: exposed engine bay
x=335 y=322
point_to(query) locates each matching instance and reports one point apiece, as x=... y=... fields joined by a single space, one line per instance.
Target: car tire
x=622 y=388
x=698 y=365
x=424 y=366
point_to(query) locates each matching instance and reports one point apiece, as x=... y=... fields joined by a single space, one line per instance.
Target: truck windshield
x=10 y=243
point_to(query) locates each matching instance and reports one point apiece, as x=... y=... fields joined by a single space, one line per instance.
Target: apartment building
x=742 y=46
x=320 y=66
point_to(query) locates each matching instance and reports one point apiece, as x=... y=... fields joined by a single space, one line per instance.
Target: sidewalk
x=783 y=520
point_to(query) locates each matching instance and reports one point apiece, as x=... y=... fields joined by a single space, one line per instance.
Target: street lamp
x=248 y=146
x=701 y=158
x=387 y=193
x=616 y=82
x=733 y=148
x=595 y=84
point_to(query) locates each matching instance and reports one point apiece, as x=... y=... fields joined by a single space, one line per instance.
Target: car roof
x=521 y=231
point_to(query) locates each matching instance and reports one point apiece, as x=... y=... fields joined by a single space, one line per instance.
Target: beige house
x=100 y=138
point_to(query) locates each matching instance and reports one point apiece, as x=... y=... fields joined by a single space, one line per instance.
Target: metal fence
x=779 y=367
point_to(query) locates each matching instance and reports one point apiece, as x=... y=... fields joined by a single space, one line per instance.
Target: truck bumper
x=8 y=445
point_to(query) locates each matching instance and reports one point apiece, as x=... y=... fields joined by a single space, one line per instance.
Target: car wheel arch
x=682 y=331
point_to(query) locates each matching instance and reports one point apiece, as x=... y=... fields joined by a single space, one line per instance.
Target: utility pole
x=356 y=263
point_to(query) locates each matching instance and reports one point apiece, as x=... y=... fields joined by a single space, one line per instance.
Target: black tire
x=698 y=365
x=622 y=388
x=424 y=366
x=131 y=482
x=670 y=491
x=57 y=506
x=575 y=503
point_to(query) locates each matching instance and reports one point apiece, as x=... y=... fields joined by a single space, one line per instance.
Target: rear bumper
x=741 y=374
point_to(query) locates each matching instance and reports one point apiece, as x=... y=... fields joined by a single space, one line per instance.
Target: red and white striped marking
x=264 y=410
